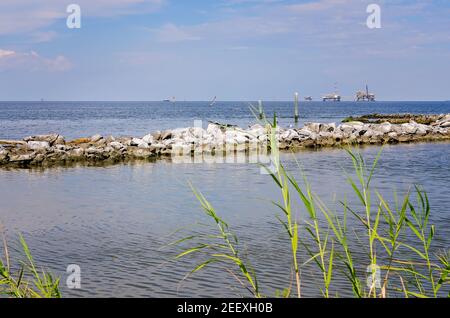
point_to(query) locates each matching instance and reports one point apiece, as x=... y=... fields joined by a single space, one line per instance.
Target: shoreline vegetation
x=220 y=140
x=395 y=237
x=25 y=279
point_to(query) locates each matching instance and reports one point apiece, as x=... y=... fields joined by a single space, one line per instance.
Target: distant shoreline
x=224 y=101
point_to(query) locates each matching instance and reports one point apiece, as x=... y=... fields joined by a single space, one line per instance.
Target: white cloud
x=6 y=53
x=336 y=27
x=44 y=36
x=320 y=5
x=32 y=62
x=21 y=16
x=236 y=28
x=172 y=33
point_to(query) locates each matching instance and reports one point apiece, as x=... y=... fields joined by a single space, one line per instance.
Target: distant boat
x=172 y=100
x=308 y=98
x=213 y=101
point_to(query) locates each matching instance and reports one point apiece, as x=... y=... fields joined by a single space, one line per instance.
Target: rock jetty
x=54 y=149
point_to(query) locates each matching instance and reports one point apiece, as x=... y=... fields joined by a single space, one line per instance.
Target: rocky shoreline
x=53 y=149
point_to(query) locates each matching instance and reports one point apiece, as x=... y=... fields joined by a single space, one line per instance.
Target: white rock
x=256 y=127
x=288 y=135
x=212 y=128
x=385 y=128
x=409 y=128
x=313 y=127
x=327 y=127
x=139 y=143
x=422 y=129
x=444 y=120
x=77 y=152
x=48 y=138
x=191 y=140
x=94 y=151
x=116 y=145
x=325 y=134
x=303 y=133
x=96 y=138
x=240 y=139
x=38 y=145
x=392 y=135
x=179 y=133
x=197 y=132
x=149 y=139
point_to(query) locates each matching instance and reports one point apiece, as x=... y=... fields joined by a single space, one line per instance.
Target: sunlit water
x=116 y=221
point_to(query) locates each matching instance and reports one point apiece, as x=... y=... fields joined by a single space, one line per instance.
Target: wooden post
x=296 y=107
x=260 y=109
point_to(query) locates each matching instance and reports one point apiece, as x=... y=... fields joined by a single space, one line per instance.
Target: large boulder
x=50 y=139
x=313 y=127
x=12 y=143
x=303 y=133
x=443 y=120
x=149 y=139
x=4 y=156
x=96 y=138
x=197 y=132
x=116 y=145
x=38 y=145
x=327 y=127
x=384 y=128
x=76 y=153
x=139 y=143
x=166 y=135
x=289 y=135
x=24 y=158
x=409 y=128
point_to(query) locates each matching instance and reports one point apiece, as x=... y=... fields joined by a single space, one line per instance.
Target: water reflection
x=114 y=221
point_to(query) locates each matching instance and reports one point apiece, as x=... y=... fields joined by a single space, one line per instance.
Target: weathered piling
x=260 y=110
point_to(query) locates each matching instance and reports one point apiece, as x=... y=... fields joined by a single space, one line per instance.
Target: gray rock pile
x=47 y=150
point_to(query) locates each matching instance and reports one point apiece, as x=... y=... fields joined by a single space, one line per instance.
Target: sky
x=135 y=50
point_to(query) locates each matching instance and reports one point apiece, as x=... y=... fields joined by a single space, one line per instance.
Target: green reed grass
x=28 y=281
x=391 y=231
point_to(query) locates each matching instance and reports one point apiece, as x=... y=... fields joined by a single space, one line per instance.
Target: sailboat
x=213 y=101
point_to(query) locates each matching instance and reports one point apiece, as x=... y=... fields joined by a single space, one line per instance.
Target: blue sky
x=235 y=49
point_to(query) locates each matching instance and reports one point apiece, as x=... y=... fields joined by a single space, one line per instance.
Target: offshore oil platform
x=360 y=96
x=365 y=96
x=334 y=97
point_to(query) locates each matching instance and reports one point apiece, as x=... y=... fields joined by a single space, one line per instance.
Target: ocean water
x=81 y=119
x=115 y=222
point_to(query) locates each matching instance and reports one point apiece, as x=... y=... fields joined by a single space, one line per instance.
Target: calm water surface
x=115 y=221
x=81 y=119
